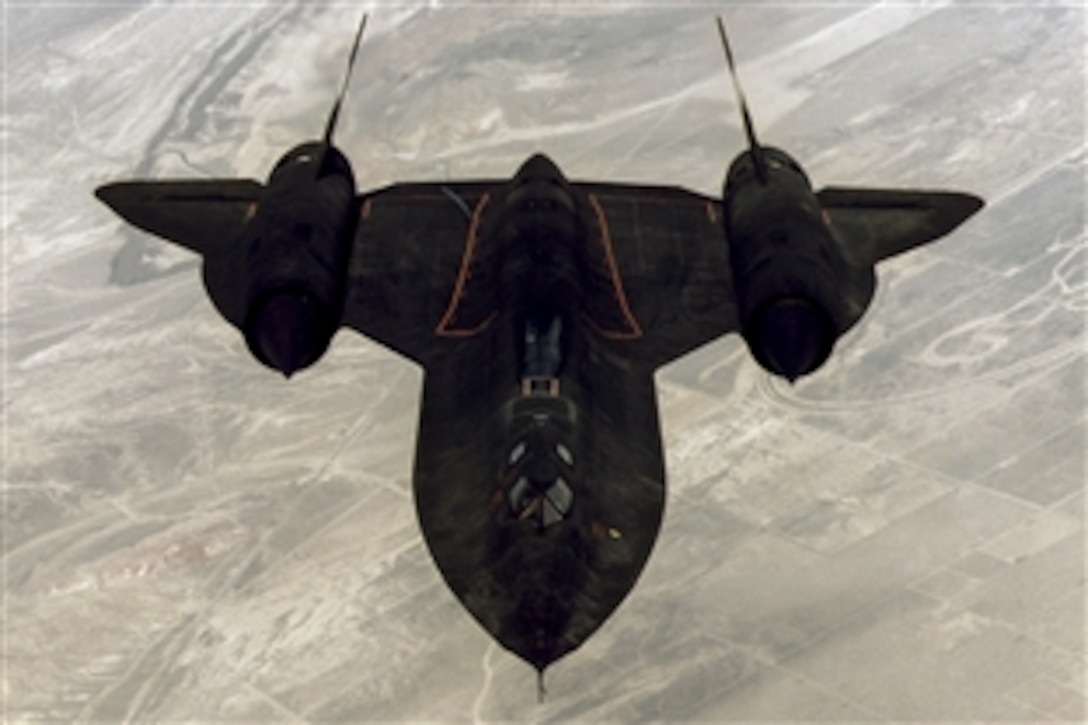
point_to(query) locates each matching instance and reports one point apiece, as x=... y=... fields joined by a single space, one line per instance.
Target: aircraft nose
x=539 y=166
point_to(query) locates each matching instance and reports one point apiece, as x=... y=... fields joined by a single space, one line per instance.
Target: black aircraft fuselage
x=559 y=479
x=539 y=309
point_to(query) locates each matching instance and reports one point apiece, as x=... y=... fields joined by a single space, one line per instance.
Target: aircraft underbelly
x=539 y=588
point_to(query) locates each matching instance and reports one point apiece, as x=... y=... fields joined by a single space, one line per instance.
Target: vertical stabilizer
x=754 y=148
x=334 y=114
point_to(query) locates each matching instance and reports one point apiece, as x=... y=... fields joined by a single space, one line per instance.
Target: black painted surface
x=539 y=309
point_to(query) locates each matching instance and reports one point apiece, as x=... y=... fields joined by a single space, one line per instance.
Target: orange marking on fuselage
x=462 y=278
x=617 y=282
x=251 y=211
x=365 y=214
x=467 y=332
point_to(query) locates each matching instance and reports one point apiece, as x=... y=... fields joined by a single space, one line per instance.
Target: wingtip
x=950 y=209
x=120 y=197
x=106 y=193
x=119 y=194
x=961 y=206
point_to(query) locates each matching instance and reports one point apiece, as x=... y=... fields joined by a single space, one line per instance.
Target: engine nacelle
x=293 y=258
x=796 y=292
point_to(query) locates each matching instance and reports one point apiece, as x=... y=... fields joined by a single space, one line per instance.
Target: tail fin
x=754 y=148
x=334 y=114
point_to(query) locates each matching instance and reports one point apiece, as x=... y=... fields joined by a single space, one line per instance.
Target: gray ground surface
x=899 y=537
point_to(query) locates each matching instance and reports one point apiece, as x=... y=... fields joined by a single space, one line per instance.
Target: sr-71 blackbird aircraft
x=539 y=309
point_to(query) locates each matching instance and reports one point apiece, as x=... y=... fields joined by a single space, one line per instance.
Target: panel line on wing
x=443 y=329
x=634 y=330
